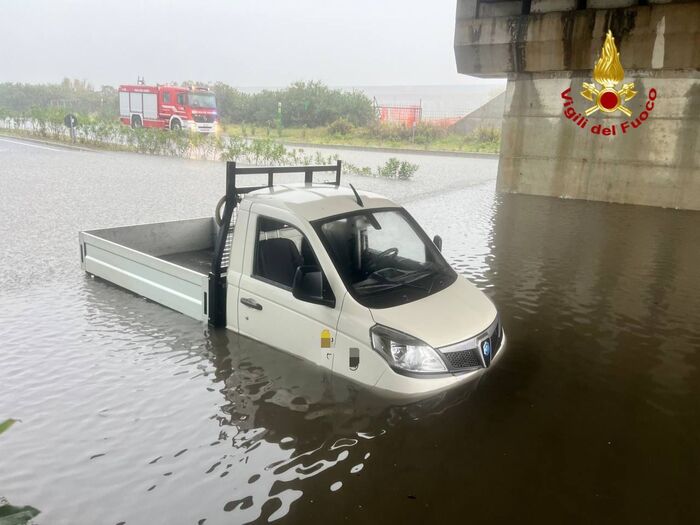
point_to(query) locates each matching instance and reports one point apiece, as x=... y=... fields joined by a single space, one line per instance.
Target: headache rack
x=222 y=246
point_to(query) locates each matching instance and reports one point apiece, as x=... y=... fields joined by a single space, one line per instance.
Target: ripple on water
x=132 y=413
x=336 y=486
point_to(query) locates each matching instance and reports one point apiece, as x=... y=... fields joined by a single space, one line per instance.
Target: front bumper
x=203 y=127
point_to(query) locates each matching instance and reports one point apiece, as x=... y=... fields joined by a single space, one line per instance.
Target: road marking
x=32 y=145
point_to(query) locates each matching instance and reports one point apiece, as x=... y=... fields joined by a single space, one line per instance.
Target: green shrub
x=427 y=133
x=70 y=96
x=486 y=134
x=424 y=133
x=340 y=126
x=396 y=169
x=183 y=143
x=16 y=515
x=303 y=103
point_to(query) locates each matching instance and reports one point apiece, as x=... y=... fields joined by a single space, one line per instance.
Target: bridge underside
x=549 y=145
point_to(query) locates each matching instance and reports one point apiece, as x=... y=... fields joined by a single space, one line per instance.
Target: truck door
x=268 y=312
x=180 y=102
x=166 y=103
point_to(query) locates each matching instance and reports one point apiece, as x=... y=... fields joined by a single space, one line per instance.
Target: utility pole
x=279 y=118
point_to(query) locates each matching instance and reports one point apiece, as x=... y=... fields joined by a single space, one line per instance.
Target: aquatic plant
x=13 y=515
x=5 y=425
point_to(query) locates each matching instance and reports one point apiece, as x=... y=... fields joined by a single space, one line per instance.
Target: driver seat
x=278 y=260
x=340 y=240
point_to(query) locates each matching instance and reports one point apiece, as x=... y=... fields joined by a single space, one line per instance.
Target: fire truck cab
x=168 y=107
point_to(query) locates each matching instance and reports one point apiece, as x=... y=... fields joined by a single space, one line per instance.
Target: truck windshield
x=202 y=100
x=384 y=258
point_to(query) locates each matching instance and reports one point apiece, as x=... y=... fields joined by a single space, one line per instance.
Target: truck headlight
x=406 y=352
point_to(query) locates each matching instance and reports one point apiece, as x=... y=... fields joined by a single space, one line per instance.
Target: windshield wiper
x=376 y=287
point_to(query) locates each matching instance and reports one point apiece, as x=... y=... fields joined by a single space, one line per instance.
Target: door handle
x=251 y=303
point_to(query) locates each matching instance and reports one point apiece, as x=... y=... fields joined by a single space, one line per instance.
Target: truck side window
x=166 y=97
x=181 y=99
x=279 y=250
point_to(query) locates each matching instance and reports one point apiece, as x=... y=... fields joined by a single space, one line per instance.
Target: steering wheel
x=391 y=252
x=374 y=264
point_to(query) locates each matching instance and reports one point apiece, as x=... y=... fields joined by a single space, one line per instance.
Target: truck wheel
x=176 y=125
x=136 y=122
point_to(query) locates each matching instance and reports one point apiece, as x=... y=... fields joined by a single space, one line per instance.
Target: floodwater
x=131 y=413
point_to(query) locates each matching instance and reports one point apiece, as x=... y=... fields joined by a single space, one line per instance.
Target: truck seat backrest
x=278 y=260
x=339 y=236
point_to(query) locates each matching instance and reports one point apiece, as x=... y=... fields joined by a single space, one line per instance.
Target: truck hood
x=454 y=314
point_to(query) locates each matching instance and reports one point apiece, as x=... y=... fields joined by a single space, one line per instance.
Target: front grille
x=204 y=118
x=463 y=358
x=467 y=354
x=496 y=339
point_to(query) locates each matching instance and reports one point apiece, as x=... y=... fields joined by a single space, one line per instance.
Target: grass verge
x=369 y=137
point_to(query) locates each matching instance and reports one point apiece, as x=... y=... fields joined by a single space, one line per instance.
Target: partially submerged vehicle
x=343 y=278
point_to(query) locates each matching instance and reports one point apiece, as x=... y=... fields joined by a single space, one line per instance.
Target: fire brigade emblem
x=608 y=73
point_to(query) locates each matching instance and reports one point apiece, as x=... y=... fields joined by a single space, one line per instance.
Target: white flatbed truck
x=345 y=279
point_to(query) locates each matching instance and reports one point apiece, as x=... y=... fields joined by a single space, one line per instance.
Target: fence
x=413 y=114
x=406 y=115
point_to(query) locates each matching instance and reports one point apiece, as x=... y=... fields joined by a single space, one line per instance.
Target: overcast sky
x=241 y=42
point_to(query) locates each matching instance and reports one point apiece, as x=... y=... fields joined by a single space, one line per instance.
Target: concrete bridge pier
x=648 y=152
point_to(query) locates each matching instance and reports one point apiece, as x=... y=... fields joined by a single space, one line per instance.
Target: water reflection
x=608 y=291
x=279 y=420
x=300 y=422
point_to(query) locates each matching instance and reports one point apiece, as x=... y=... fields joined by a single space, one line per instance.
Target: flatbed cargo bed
x=197 y=260
x=167 y=262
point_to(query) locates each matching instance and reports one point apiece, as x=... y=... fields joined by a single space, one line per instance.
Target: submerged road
x=132 y=413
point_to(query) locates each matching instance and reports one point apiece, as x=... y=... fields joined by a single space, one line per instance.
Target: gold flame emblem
x=608 y=73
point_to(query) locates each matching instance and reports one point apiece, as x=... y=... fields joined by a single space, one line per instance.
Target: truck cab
x=345 y=279
x=193 y=109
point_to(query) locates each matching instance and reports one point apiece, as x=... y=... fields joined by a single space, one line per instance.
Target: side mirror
x=309 y=286
x=437 y=241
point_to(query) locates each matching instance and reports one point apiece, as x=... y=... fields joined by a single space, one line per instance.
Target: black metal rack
x=217 y=276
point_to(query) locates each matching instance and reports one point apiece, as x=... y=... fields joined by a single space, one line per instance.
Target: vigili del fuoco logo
x=603 y=92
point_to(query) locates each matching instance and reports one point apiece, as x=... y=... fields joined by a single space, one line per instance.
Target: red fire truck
x=168 y=107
